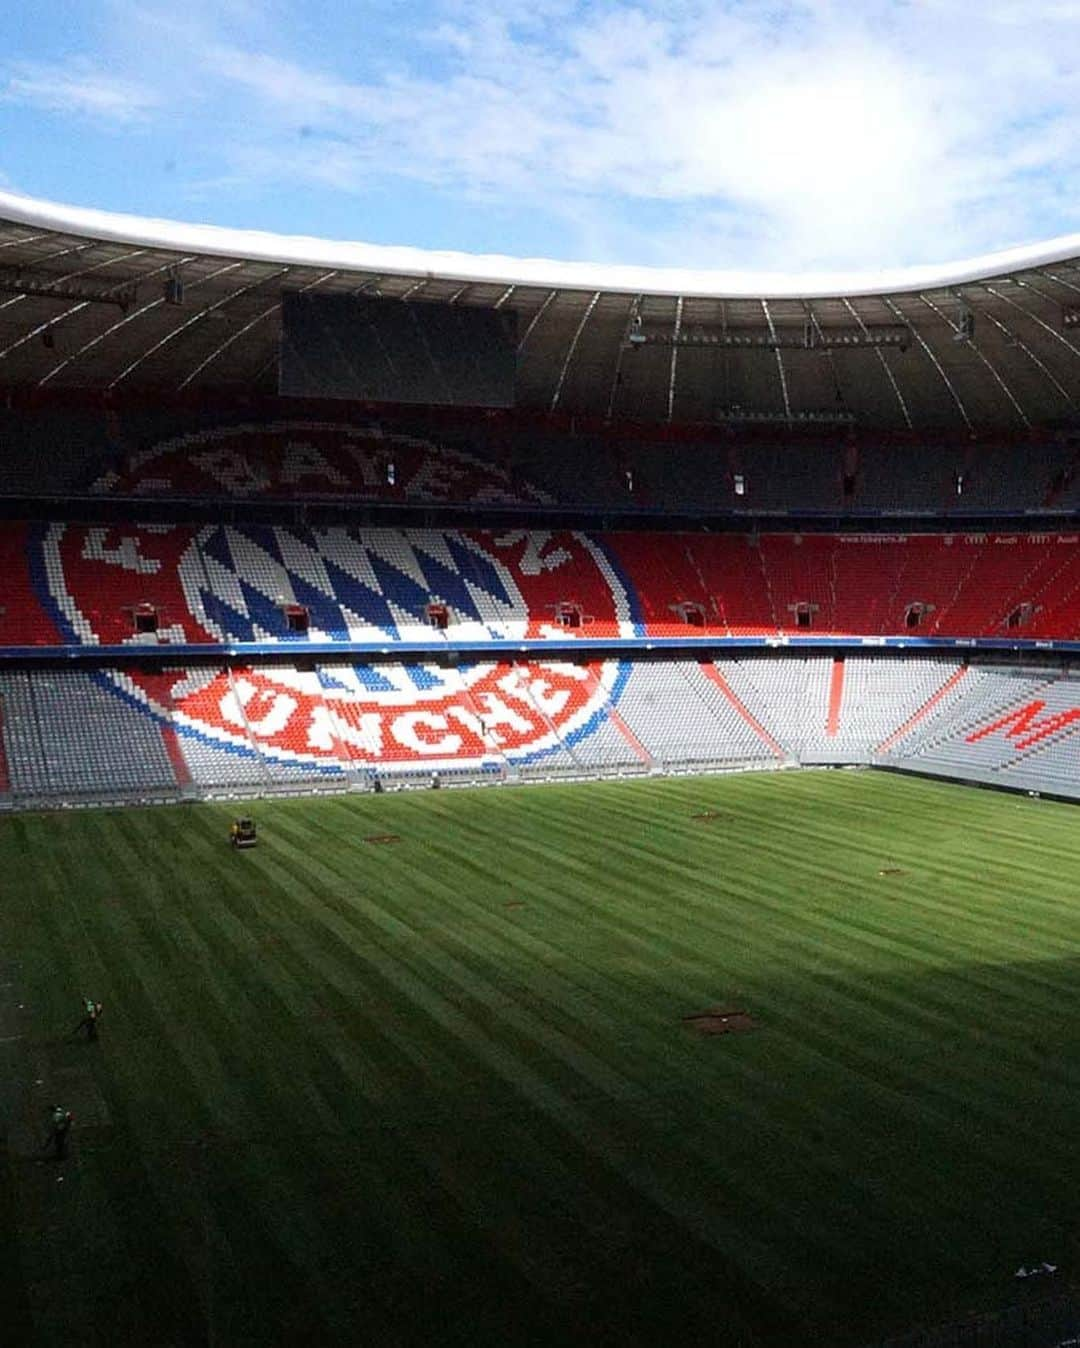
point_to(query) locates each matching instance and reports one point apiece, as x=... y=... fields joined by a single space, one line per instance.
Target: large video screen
x=382 y=350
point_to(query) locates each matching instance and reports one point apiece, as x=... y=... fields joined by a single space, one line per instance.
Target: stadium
x=603 y=660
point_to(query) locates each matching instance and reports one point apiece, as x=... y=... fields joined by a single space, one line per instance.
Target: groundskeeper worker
x=60 y=1121
x=91 y=1014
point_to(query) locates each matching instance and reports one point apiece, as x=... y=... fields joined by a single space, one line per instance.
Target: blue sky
x=751 y=134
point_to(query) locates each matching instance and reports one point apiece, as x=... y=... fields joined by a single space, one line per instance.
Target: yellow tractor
x=242 y=832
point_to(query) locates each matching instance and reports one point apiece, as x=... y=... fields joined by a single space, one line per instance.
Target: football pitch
x=416 y=1070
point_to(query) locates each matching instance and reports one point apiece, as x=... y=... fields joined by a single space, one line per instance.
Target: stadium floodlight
x=50 y=286
x=815 y=416
x=809 y=337
x=173 y=289
x=870 y=335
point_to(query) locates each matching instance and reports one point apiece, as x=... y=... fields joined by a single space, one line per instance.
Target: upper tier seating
x=417 y=456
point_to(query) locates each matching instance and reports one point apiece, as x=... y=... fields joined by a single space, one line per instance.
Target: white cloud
x=882 y=134
x=811 y=133
x=78 y=87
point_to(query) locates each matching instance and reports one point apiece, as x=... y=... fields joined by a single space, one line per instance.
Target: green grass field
x=438 y=1090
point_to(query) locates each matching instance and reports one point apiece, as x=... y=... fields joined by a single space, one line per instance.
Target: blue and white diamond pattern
x=356 y=585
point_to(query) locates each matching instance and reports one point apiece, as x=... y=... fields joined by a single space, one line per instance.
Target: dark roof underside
x=1020 y=367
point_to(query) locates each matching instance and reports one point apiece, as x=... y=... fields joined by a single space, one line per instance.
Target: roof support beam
x=1061 y=281
x=536 y=319
x=196 y=318
x=1027 y=285
x=242 y=332
x=616 y=375
x=68 y=313
x=970 y=341
x=128 y=318
x=883 y=359
x=779 y=359
x=264 y=368
x=675 y=331
x=30 y=238
x=1042 y=324
x=1011 y=339
x=814 y=331
x=891 y=306
x=572 y=348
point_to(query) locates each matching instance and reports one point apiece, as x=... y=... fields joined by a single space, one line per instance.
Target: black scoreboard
x=369 y=349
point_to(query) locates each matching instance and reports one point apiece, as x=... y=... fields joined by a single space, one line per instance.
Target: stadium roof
x=94 y=300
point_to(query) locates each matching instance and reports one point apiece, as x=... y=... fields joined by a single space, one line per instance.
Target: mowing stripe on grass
x=358 y=1078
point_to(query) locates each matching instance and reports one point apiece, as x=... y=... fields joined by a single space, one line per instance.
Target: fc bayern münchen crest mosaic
x=229 y=584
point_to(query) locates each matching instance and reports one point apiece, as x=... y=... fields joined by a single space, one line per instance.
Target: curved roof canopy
x=90 y=299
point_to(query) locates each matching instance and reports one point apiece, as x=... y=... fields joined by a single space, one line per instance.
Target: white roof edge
x=297 y=250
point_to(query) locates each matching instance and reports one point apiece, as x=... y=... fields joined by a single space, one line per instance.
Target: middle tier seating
x=174 y=584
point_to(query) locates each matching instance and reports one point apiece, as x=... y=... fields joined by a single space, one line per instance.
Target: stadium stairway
x=987 y=694
x=836 y=697
x=924 y=710
x=600 y=745
x=713 y=674
x=618 y=723
x=5 y=777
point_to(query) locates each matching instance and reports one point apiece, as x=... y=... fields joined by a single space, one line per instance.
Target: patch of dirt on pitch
x=721 y=1020
x=514 y=903
x=710 y=816
x=320 y=1011
x=383 y=837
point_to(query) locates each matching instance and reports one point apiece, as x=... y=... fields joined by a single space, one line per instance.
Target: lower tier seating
x=1013 y=727
x=75 y=735
x=112 y=734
